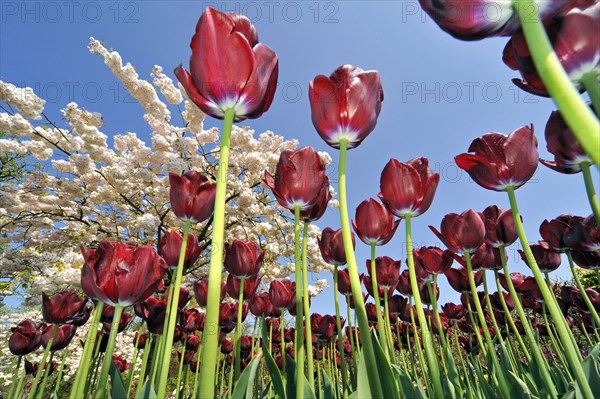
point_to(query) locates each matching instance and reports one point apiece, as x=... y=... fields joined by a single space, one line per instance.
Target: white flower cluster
x=96 y=187
x=24 y=99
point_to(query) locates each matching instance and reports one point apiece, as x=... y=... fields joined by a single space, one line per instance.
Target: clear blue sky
x=440 y=93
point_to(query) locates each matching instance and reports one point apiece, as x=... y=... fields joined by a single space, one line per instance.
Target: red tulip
x=501 y=161
x=433 y=259
x=126 y=318
x=119 y=273
x=454 y=311
x=190 y=320
x=553 y=232
x=260 y=305
x=170 y=248
x=156 y=316
x=282 y=293
x=62 y=338
x=485 y=257
x=518 y=279
x=587 y=259
x=479 y=19
x=584 y=234
x=25 y=338
x=201 y=291
x=250 y=286
x=547 y=260
x=575 y=37
x=497 y=302
x=461 y=233
x=192 y=196
x=404 y=286
x=408 y=188
x=243 y=258
x=388 y=271
x=299 y=179
x=229 y=68
x=500 y=227
x=374 y=224
x=459 y=279
x=184 y=297
x=561 y=142
x=345 y=105
x=425 y=295
x=344 y=286
x=318 y=209
x=397 y=305
x=63 y=307
x=121 y=363
x=331 y=245
x=192 y=342
x=141 y=341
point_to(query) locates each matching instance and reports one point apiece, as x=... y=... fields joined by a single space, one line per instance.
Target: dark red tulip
x=192 y=342
x=184 y=297
x=229 y=68
x=408 y=188
x=344 y=286
x=299 y=179
x=246 y=342
x=547 y=260
x=561 y=142
x=368 y=282
x=517 y=279
x=121 y=363
x=372 y=312
x=479 y=19
x=388 y=271
x=121 y=273
x=190 y=320
x=454 y=311
x=345 y=105
x=156 y=316
x=326 y=329
x=426 y=297
x=497 y=301
x=500 y=227
x=63 y=307
x=273 y=323
x=461 y=233
x=373 y=223
x=501 y=161
x=32 y=368
x=261 y=305
x=553 y=232
x=282 y=293
x=485 y=257
x=459 y=279
x=25 y=338
x=584 y=234
x=433 y=259
x=575 y=37
x=62 y=338
x=192 y=196
x=404 y=286
x=331 y=245
x=587 y=259
x=141 y=309
x=250 y=286
x=141 y=341
x=320 y=206
x=243 y=258
x=227 y=314
x=170 y=248
x=397 y=305
x=201 y=291
x=126 y=318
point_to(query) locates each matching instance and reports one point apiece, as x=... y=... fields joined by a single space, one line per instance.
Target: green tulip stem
x=486 y=332
x=388 y=327
x=196 y=374
x=359 y=303
x=475 y=326
x=238 y=330
x=576 y=113
x=19 y=386
x=173 y=310
x=306 y=303
x=488 y=303
x=351 y=333
x=40 y=371
x=136 y=350
x=281 y=335
x=590 y=190
x=509 y=318
x=210 y=338
x=144 y=366
x=436 y=313
x=417 y=343
x=338 y=325
x=299 y=313
x=590 y=82
x=380 y=322
x=581 y=288
x=40 y=392
x=432 y=360
x=180 y=371
x=60 y=371
x=110 y=347
x=555 y=313
x=13 y=384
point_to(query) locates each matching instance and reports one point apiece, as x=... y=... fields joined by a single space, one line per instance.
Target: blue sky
x=440 y=93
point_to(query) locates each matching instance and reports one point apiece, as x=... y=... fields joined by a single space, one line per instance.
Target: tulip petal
x=521 y=154
x=192 y=92
x=260 y=88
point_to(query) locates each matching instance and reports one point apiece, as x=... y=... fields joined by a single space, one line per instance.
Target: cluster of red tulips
x=530 y=338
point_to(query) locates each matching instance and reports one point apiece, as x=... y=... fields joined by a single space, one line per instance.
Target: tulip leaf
x=117 y=388
x=386 y=378
x=243 y=386
x=271 y=365
x=363 y=390
x=486 y=387
x=449 y=391
x=518 y=388
x=328 y=387
x=453 y=375
x=590 y=369
x=146 y=392
x=409 y=389
x=290 y=371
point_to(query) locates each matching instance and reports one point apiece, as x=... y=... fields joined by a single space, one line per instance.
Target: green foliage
x=589 y=278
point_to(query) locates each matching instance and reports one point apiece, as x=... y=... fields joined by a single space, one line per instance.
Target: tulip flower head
x=501 y=161
x=345 y=105
x=433 y=259
x=201 y=291
x=500 y=230
x=461 y=233
x=25 y=338
x=331 y=245
x=229 y=69
x=408 y=188
x=243 y=258
x=170 y=247
x=374 y=224
x=62 y=307
x=192 y=196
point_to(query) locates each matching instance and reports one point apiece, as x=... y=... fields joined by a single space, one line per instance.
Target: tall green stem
x=210 y=339
x=375 y=287
x=15 y=380
x=88 y=351
x=299 y=313
x=589 y=189
x=238 y=331
x=432 y=360
x=306 y=303
x=172 y=315
x=359 y=303
x=584 y=294
x=40 y=371
x=110 y=347
x=578 y=116
x=338 y=325
x=60 y=371
x=590 y=82
x=555 y=313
